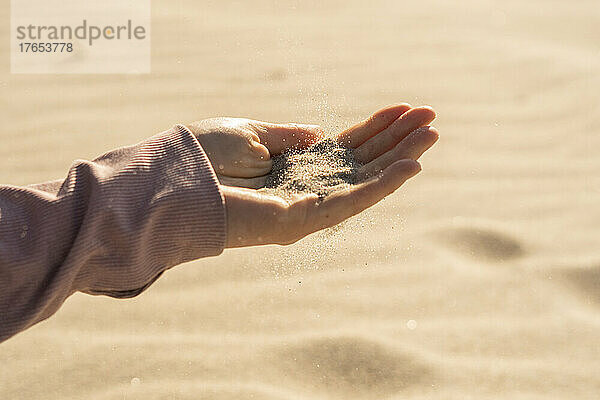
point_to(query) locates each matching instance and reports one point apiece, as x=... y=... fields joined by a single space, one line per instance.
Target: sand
x=322 y=169
x=479 y=279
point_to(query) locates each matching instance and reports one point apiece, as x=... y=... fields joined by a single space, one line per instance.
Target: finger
x=250 y=183
x=278 y=137
x=343 y=204
x=243 y=168
x=252 y=161
x=236 y=155
x=393 y=134
x=361 y=132
x=411 y=147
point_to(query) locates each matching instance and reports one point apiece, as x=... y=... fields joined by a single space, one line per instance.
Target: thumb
x=279 y=137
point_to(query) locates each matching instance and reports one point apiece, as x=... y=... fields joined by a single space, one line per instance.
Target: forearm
x=111 y=227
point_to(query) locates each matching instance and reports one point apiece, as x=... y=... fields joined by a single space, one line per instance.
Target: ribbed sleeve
x=111 y=227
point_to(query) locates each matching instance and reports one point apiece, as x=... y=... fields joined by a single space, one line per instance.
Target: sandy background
x=480 y=279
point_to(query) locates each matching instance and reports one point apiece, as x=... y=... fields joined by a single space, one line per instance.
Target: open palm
x=387 y=144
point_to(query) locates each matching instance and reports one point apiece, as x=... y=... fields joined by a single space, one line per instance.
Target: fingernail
x=415 y=165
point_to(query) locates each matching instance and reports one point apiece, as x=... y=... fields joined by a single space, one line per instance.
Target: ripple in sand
x=352 y=365
x=186 y=390
x=482 y=243
x=587 y=281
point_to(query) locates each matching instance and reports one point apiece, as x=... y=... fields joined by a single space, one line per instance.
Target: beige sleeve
x=111 y=227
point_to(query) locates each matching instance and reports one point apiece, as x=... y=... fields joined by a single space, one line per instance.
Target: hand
x=240 y=149
x=388 y=144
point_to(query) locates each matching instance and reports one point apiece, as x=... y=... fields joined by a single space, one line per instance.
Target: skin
x=388 y=143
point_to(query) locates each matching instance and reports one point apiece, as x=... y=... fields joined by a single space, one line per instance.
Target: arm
x=111 y=227
x=116 y=223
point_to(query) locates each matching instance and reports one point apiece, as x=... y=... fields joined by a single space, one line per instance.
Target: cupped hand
x=240 y=149
x=387 y=144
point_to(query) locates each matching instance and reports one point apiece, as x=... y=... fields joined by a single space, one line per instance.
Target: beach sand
x=322 y=169
x=479 y=279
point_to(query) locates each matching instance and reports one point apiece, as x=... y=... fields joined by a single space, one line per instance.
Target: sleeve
x=112 y=227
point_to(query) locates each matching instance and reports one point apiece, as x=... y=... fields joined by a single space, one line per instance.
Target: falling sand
x=321 y=169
